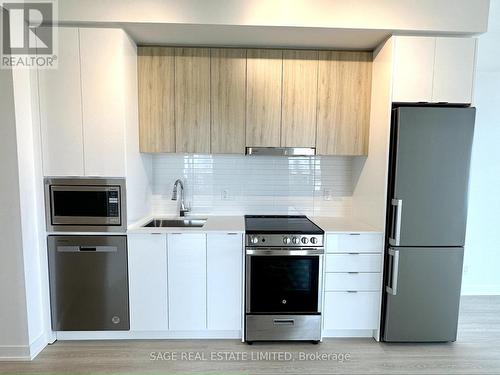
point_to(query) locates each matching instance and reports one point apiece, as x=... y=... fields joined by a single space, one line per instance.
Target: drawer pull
x=283 y=322
x=352 y=273
x=352 y=291
x=353 y=253
x=354 y=234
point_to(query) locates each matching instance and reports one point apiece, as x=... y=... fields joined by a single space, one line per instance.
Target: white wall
x=30 y=187
x=370 y=173
x=13 y=317
x=482 y=245
x=407 y=15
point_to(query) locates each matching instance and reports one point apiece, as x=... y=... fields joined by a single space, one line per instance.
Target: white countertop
x=226 y=224
x=342 y=225
x=236 y=224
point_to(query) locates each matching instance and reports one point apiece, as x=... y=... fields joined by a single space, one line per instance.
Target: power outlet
x=225 y=195
x=327 y=195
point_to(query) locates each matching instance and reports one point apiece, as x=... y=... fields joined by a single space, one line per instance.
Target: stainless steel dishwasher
x=88 y=283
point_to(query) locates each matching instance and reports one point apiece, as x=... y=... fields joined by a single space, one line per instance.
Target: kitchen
x=247 y=192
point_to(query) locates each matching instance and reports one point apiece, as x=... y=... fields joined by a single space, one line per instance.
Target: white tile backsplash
x=238 y=184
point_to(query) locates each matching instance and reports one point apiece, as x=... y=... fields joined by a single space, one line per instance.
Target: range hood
x=281 y=151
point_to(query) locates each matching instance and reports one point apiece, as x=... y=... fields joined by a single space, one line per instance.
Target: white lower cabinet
x=147 y=270
x=352 y=283
x=224 y=281
x=187 y=281
x=351 y=310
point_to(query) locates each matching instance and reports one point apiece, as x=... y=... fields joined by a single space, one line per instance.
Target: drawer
x=344 y=310
x=353 y=262
x=355 y=243
x=283 y=327
x=352 y=281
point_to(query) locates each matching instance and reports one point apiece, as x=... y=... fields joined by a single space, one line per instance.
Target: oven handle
x=284 y=252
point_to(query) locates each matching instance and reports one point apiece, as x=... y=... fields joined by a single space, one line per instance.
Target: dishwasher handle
x=76 y=249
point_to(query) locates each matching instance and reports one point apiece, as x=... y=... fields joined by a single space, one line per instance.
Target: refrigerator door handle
x=396 y=239
x=393 y=289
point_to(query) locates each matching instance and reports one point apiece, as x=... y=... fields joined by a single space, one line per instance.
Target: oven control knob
x=286 y=240
x=304 y=240
x=314 y=240
x=295 y=240
x=254 y=240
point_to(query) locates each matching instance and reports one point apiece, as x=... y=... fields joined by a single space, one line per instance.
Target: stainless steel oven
x=85 y=204
x=283 y=278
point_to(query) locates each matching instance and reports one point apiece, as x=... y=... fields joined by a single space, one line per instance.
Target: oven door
x=283 y=284
x=85 y=205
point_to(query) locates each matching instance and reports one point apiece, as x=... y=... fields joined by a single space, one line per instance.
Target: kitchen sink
x=176 y=223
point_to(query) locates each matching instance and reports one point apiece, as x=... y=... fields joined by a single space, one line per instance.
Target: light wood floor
x=477 y=351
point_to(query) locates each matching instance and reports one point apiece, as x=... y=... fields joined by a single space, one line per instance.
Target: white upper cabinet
x=454 y=70
x=224 y=281
x=60 y=110
x=433 y=70
x=82 y=105
x=101 y=52
x=413 y=66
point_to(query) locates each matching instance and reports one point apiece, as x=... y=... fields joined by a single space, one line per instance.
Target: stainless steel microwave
x=85 y=204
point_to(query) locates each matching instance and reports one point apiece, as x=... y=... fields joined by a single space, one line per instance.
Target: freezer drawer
x=352 y=281
x=88 y=283
x=355 y=243
x=353 y=262
x=423 y=294
x=345 y=310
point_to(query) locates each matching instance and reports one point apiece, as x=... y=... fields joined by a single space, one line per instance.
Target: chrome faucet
x=181 y=208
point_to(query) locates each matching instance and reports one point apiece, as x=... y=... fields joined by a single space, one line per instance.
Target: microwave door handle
x=397 y=207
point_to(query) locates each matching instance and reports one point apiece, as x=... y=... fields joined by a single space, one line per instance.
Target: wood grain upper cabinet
x=344 y=89
x=263 y=107
x=300 y=88
x=156 y=99
x=227 y=83
x=192 y=100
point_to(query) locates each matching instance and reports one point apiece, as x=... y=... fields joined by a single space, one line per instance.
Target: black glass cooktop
x=280 y=224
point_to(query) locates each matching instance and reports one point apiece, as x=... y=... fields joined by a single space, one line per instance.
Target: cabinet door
x=156 y=99
x=192 y=100
x=300 y=88
x=101 y=52
x=454 y=70
x=227 y=83
x=344 y=95
x=61 y=110
x=263 y=109
x=224 y=281
x=413 y=69
x=187 y=299
x=344 y=310
x=147 y=270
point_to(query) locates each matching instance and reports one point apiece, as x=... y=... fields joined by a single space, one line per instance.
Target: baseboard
x=37 y=346
x=348 y=333
x=146 y=335
x=15 y=353
x=480 y=290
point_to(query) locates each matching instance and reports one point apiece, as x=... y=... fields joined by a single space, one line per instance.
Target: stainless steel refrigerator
x=426 y=219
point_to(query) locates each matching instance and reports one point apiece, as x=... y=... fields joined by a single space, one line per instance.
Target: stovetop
x=280 y=224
